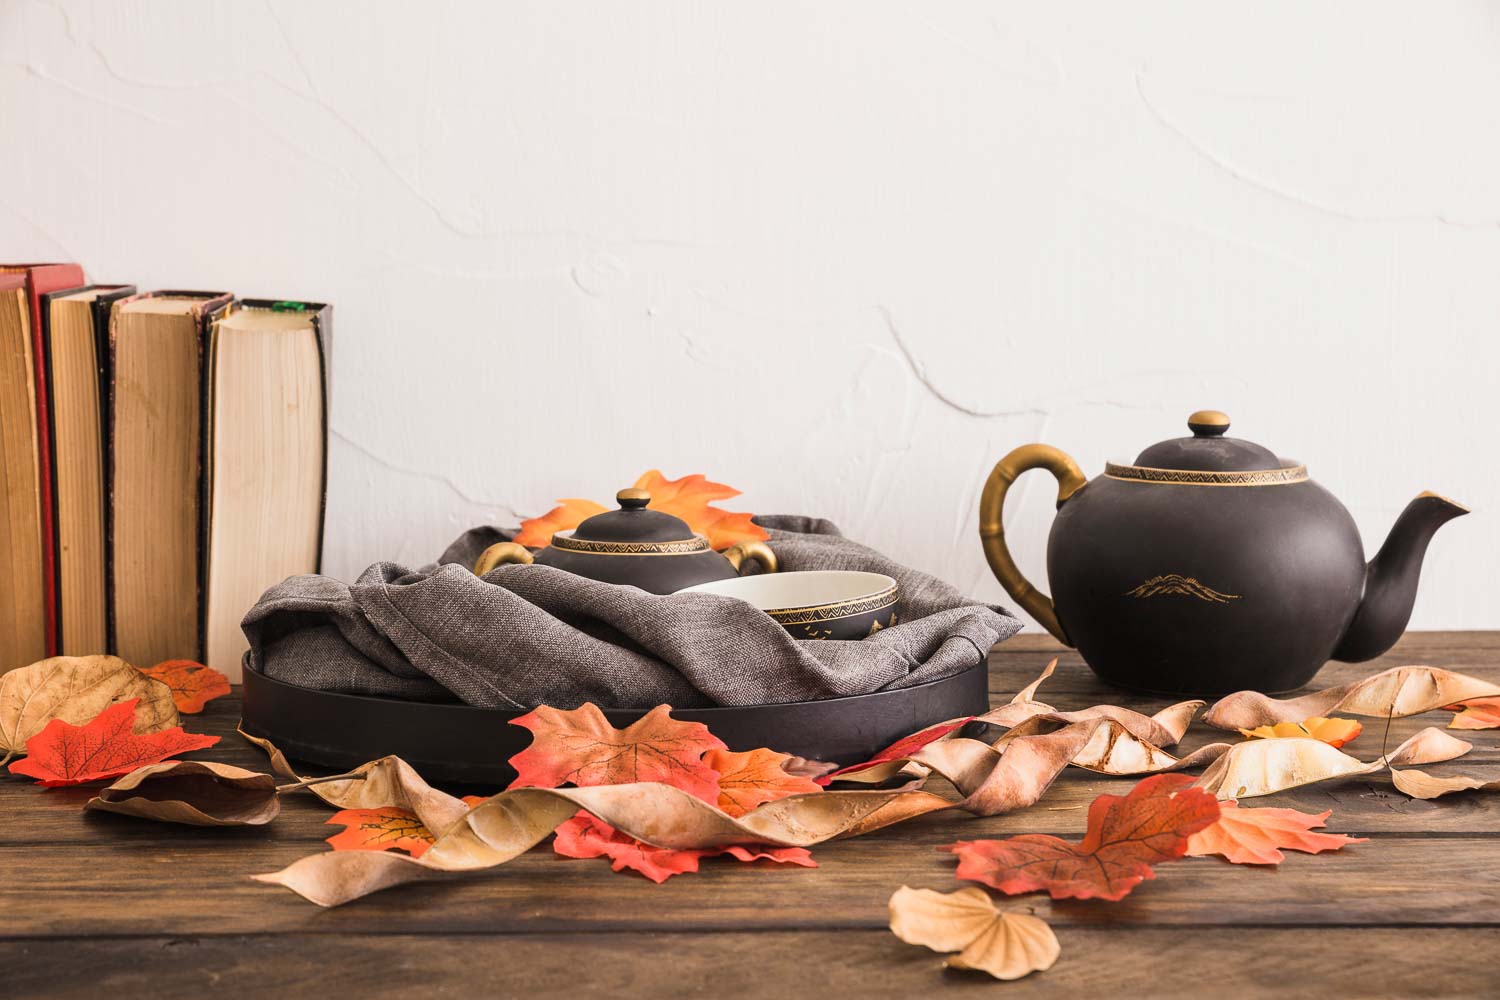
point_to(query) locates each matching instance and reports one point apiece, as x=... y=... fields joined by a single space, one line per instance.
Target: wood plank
x=190 y=885
x=1162 y=964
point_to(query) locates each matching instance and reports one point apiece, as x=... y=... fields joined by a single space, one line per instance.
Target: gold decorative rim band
x=1190 y=477
x=840 y=609
x=684 y=546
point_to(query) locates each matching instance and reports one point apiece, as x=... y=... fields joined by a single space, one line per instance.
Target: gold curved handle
x=499 y=554
x=758 y=551
x=992 y=532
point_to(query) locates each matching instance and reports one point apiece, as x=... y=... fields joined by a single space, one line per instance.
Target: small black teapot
x=1210 y=565
x=636 y=547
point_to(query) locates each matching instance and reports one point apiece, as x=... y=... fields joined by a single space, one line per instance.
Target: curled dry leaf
x=1397 y=693
x=106 y=747
x=1476 y=713
x=1258 y=836
x=194 y=792
x=389 y=781
x=1126 y=835
x=1262 y=767
x=1334 y=732
x=1421 y=785
x=901 y=750
x=510 y=823
x=75 y=689
x=193 y=685
x=580 y=747
x=1007 y=945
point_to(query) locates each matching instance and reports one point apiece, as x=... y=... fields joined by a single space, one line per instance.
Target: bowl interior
x=810 y=588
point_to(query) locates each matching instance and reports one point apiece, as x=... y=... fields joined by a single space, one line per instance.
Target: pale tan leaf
x=76 y=689
x=1397 y=693
x=1263 y=767
x=1421 y=785
x=194 y=792
x=1006 y=944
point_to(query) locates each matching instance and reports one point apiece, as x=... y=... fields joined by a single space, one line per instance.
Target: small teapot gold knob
x=633 y=498
x=1208 y=423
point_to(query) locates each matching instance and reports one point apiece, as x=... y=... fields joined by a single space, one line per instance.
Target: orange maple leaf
x=537 y=532
x=193 y=685
x=1476 y=713
x=1126 y=836
x=580 y=747
x=1334 y=732
x=584 y=836
x=689 y=498
x=1256 y=836
x=380 y=829
x=748 y=779
x=104 y=747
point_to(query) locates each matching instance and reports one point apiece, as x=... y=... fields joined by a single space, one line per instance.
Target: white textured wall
x=841 y=255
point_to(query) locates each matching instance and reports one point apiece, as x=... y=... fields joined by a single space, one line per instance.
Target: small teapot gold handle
x=992 y=531
x=501 y=553
x=758 y=551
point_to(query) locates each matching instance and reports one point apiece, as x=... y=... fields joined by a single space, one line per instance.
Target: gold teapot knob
x=633 y=498
x=1208 y=423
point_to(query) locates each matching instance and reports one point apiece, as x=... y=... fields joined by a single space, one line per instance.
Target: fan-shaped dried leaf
x=1262 y=767
x=580 y=747
x=194 y=792
x=1334 y=732
x=1476 y=713
x=1258 y=836
x=1126 y=836
x=106 y=747
x=1006 y=945
x=76 y=689
x=1397 y=692
x=193 y=685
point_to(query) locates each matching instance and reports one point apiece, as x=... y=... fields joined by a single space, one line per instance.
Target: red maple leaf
x=748 y=779
x=904 y=747
x=104 y=747
x=583 y=836
x=193 y=685
x=1126 y=836
x=580 y=747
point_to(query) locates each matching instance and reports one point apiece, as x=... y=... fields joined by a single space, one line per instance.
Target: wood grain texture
x=97 y=902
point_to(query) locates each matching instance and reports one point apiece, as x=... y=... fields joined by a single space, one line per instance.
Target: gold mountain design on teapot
x=1210 y=565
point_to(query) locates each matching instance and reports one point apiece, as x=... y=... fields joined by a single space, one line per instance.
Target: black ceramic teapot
x=1210 y=565
x=637 y=547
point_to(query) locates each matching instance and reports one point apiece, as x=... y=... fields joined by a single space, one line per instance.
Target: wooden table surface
x=101 y=905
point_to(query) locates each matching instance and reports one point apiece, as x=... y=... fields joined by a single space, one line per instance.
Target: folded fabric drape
x=527 y=635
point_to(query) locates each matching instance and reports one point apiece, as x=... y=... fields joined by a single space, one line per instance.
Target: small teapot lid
x=633 y=523
x=1208 y=450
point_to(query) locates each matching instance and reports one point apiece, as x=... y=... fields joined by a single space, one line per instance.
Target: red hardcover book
x=41 y=279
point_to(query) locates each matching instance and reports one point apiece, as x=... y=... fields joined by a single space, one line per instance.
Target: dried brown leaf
x=1421 y=785
x=1396 y=693
x=1006 y=944
x=194 y=792
x=76 y=689
x=1263 y=767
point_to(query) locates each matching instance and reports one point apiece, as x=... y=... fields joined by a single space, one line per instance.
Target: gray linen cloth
x=527 y=635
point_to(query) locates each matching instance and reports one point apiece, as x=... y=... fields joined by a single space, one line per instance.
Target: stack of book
x=165 y=461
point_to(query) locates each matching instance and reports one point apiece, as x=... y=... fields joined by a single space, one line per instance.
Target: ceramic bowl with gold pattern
x=818 y=604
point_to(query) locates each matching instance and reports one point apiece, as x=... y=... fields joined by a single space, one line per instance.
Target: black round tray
x=461 y=743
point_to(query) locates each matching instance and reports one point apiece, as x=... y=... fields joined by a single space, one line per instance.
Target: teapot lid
x=633 y=523
x=1208 y=450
